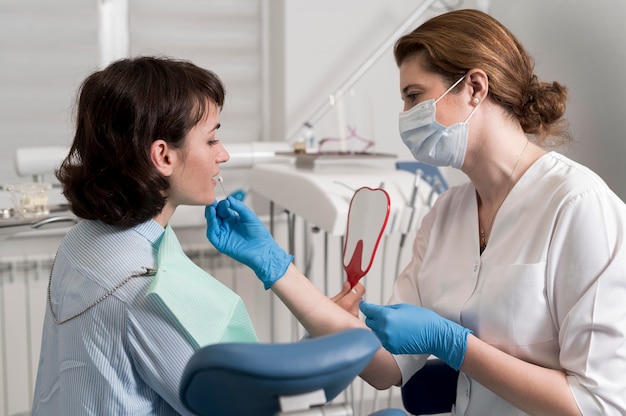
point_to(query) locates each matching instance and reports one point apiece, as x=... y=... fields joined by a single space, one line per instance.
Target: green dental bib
x=206 y=310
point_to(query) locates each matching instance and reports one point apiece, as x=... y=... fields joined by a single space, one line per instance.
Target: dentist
x=518 y=277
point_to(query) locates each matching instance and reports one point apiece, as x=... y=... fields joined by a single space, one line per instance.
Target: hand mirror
x=367 y=218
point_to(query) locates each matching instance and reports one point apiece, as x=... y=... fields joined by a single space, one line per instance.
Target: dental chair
x=432 y=390
x=300 y=378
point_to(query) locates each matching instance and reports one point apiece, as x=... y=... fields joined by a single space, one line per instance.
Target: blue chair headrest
x=240 y=378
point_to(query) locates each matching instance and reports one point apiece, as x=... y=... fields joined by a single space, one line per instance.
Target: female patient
x=126 y=308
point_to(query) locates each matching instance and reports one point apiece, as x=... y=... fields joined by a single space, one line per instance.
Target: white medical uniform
x=550 y=288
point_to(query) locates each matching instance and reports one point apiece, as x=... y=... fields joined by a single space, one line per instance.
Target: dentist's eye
x=411 y=98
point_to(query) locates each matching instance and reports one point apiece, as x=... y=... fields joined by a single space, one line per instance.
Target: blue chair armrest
x=240 y=378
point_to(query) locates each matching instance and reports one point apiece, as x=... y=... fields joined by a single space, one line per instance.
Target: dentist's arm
x=237 y=232
x=534 y=389
x=410 y=329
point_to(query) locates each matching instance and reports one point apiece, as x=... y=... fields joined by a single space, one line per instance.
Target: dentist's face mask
x=429 y=141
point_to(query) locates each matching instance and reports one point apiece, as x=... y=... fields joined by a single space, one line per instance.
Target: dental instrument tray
x=311 y=159
x=11 y=223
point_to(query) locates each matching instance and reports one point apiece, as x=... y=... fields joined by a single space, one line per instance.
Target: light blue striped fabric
x=124 y=356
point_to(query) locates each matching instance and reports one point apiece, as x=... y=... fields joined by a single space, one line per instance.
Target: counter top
x=60 y=217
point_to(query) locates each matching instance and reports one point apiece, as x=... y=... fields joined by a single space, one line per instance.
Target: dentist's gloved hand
x=237 y=232
x=410 y=329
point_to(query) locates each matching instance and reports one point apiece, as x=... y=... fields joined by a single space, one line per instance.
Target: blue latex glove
x=410 y=329
x=237 y=232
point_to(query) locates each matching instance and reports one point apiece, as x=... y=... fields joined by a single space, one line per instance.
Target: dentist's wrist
x=454 y=354
x=273 y=266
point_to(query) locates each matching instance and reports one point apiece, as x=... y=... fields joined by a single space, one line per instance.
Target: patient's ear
x=162 y=156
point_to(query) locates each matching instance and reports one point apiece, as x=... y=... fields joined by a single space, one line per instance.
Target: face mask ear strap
x=472 y=113
x=450 y=89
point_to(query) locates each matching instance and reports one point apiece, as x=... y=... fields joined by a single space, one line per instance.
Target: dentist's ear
x=162 y=156
x=479 y=82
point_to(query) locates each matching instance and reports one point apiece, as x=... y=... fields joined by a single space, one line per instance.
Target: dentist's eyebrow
x=407 y=88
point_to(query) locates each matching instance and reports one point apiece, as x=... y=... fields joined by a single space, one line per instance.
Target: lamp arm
x=304 y=132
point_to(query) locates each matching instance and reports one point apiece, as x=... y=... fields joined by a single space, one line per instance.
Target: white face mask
x=429 y=141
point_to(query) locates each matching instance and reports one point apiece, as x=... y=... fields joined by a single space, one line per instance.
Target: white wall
x=580 y=44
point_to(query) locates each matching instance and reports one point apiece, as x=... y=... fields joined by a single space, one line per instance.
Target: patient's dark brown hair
x=108 y=174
